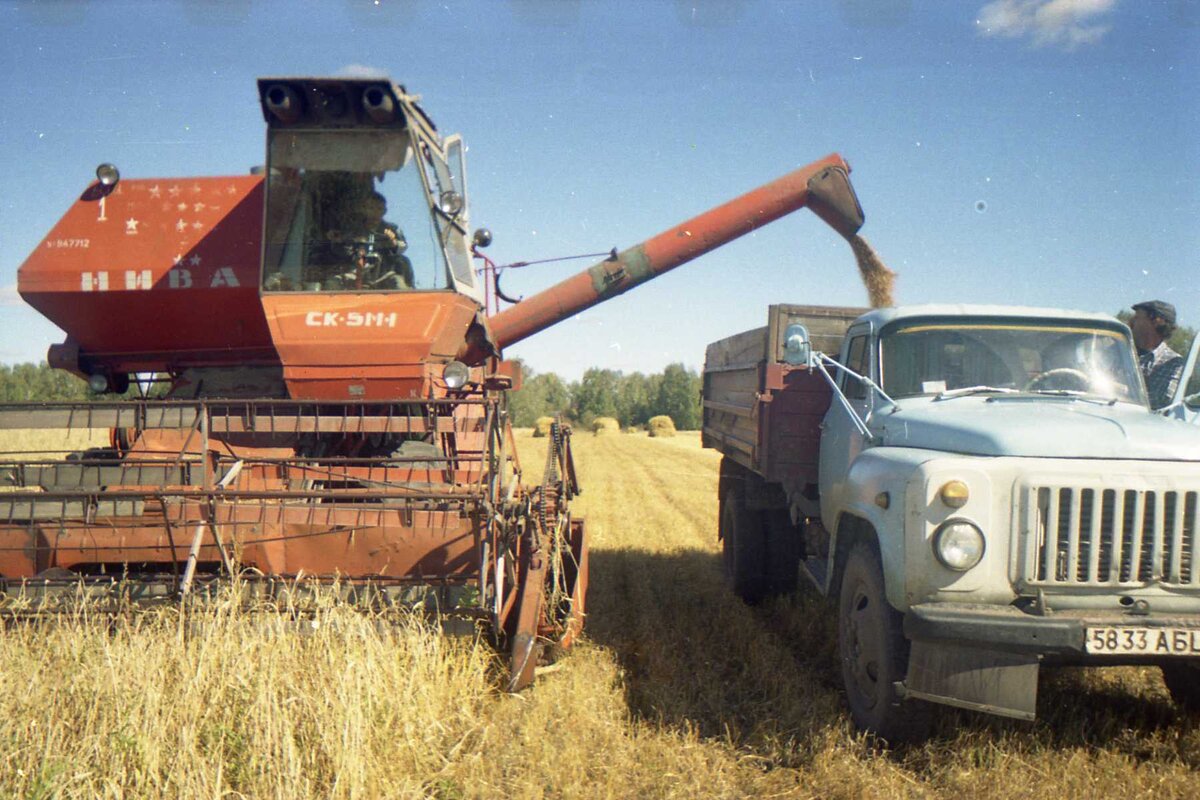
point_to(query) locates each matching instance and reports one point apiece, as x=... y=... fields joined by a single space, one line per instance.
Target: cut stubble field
x=677 y=690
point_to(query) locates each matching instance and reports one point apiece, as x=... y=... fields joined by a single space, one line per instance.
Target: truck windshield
x=347 y=211
x=926 y=358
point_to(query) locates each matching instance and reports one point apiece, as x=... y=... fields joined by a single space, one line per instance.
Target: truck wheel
x=743 y=547
x=784 y=549
x=874 y=654
x=1183 y=682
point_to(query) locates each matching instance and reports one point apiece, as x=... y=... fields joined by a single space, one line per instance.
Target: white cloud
x=360 y=71
x=1068 y=24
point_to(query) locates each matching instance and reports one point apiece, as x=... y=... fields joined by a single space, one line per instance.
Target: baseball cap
x=1157 y=308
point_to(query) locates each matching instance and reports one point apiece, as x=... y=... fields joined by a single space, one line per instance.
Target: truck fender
x=859 y=524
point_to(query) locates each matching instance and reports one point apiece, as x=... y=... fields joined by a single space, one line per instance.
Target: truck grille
x=1110 y=537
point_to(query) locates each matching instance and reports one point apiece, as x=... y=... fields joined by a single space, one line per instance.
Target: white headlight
x=455 y=374
x=958 y=544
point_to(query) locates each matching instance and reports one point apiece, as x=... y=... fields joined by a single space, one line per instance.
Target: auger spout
x=823 y=186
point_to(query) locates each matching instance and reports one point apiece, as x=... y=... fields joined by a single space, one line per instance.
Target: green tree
x=541 y=395
x=679 y=397
x=596 y=395
x=635 y=401
x=31 y=383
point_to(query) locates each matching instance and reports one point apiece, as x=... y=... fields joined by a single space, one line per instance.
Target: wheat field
x=677 y=691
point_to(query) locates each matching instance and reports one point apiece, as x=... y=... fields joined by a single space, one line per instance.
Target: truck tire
x=743 y=546
x=1183 y=682
x=874 y=654
x=785 y=546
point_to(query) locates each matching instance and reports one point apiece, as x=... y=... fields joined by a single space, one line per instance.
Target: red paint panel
x=161 y=272
x=366 y=346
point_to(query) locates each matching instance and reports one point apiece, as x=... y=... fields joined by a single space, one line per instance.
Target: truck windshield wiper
x=950 y=394
x=1075 y=394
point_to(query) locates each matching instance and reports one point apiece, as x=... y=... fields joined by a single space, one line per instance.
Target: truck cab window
x=858 y=359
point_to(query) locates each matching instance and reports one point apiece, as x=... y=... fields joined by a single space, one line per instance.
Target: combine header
x=336 y=398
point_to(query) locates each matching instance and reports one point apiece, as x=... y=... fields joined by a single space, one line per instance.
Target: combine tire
x=874 y=654
x=1183 y=682
x=744 y=546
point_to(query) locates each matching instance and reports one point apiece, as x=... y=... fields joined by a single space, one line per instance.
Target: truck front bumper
x=1058 y=636
x=986 y=658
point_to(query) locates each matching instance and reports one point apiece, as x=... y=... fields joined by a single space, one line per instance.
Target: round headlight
x=958 y=544
x=98 y=382
x=455 y=374
x=451 y=203
x=954 y=494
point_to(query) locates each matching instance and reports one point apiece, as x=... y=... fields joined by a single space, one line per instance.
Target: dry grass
x=678 y=691
x=541 y=427
x=48 y=444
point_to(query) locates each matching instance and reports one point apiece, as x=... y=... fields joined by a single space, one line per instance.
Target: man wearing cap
x=1152 y=324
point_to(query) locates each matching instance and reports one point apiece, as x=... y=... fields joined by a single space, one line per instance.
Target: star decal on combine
x=131 y=226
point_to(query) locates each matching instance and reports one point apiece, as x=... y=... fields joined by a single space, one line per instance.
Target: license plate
x=1145 y=641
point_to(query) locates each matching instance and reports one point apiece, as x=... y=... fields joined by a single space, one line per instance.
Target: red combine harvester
x=336 y=396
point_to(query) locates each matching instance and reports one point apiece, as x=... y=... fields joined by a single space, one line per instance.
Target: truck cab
x=987 y=491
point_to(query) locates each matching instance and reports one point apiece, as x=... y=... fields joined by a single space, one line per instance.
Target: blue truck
x=980 y=490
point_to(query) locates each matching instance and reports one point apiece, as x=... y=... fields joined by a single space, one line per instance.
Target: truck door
x=1186 y=403
x=841 y=441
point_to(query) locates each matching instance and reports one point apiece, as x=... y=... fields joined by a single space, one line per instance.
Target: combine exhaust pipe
x=824 y=186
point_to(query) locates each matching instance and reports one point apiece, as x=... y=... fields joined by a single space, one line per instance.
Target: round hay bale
x=541 y=428
x=661 y=426
x=602 y=426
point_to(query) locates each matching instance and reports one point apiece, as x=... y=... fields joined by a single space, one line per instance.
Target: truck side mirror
x=797 y=347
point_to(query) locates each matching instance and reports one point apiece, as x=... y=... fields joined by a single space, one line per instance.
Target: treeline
x=34 y=383
x=630 y=399
x=39 y=383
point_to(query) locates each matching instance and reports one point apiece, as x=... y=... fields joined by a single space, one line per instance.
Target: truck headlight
x=958 y=544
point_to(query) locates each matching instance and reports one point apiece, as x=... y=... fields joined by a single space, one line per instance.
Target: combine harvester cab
x=335 y=401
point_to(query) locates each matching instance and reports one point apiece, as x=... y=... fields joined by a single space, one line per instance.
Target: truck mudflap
x=986 y=658
x=992 y=681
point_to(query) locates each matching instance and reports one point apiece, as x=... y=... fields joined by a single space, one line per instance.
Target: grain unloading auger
x=335 y=399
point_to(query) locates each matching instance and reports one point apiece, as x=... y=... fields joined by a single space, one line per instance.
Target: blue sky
x=1040 y=152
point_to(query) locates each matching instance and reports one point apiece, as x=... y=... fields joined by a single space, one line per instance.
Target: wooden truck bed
x=763 y=413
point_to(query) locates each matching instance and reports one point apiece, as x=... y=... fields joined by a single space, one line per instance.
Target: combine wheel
x=526 y=647
x=874 y=654
x=550 y=610
x=744 y=546
x=1183 y=681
